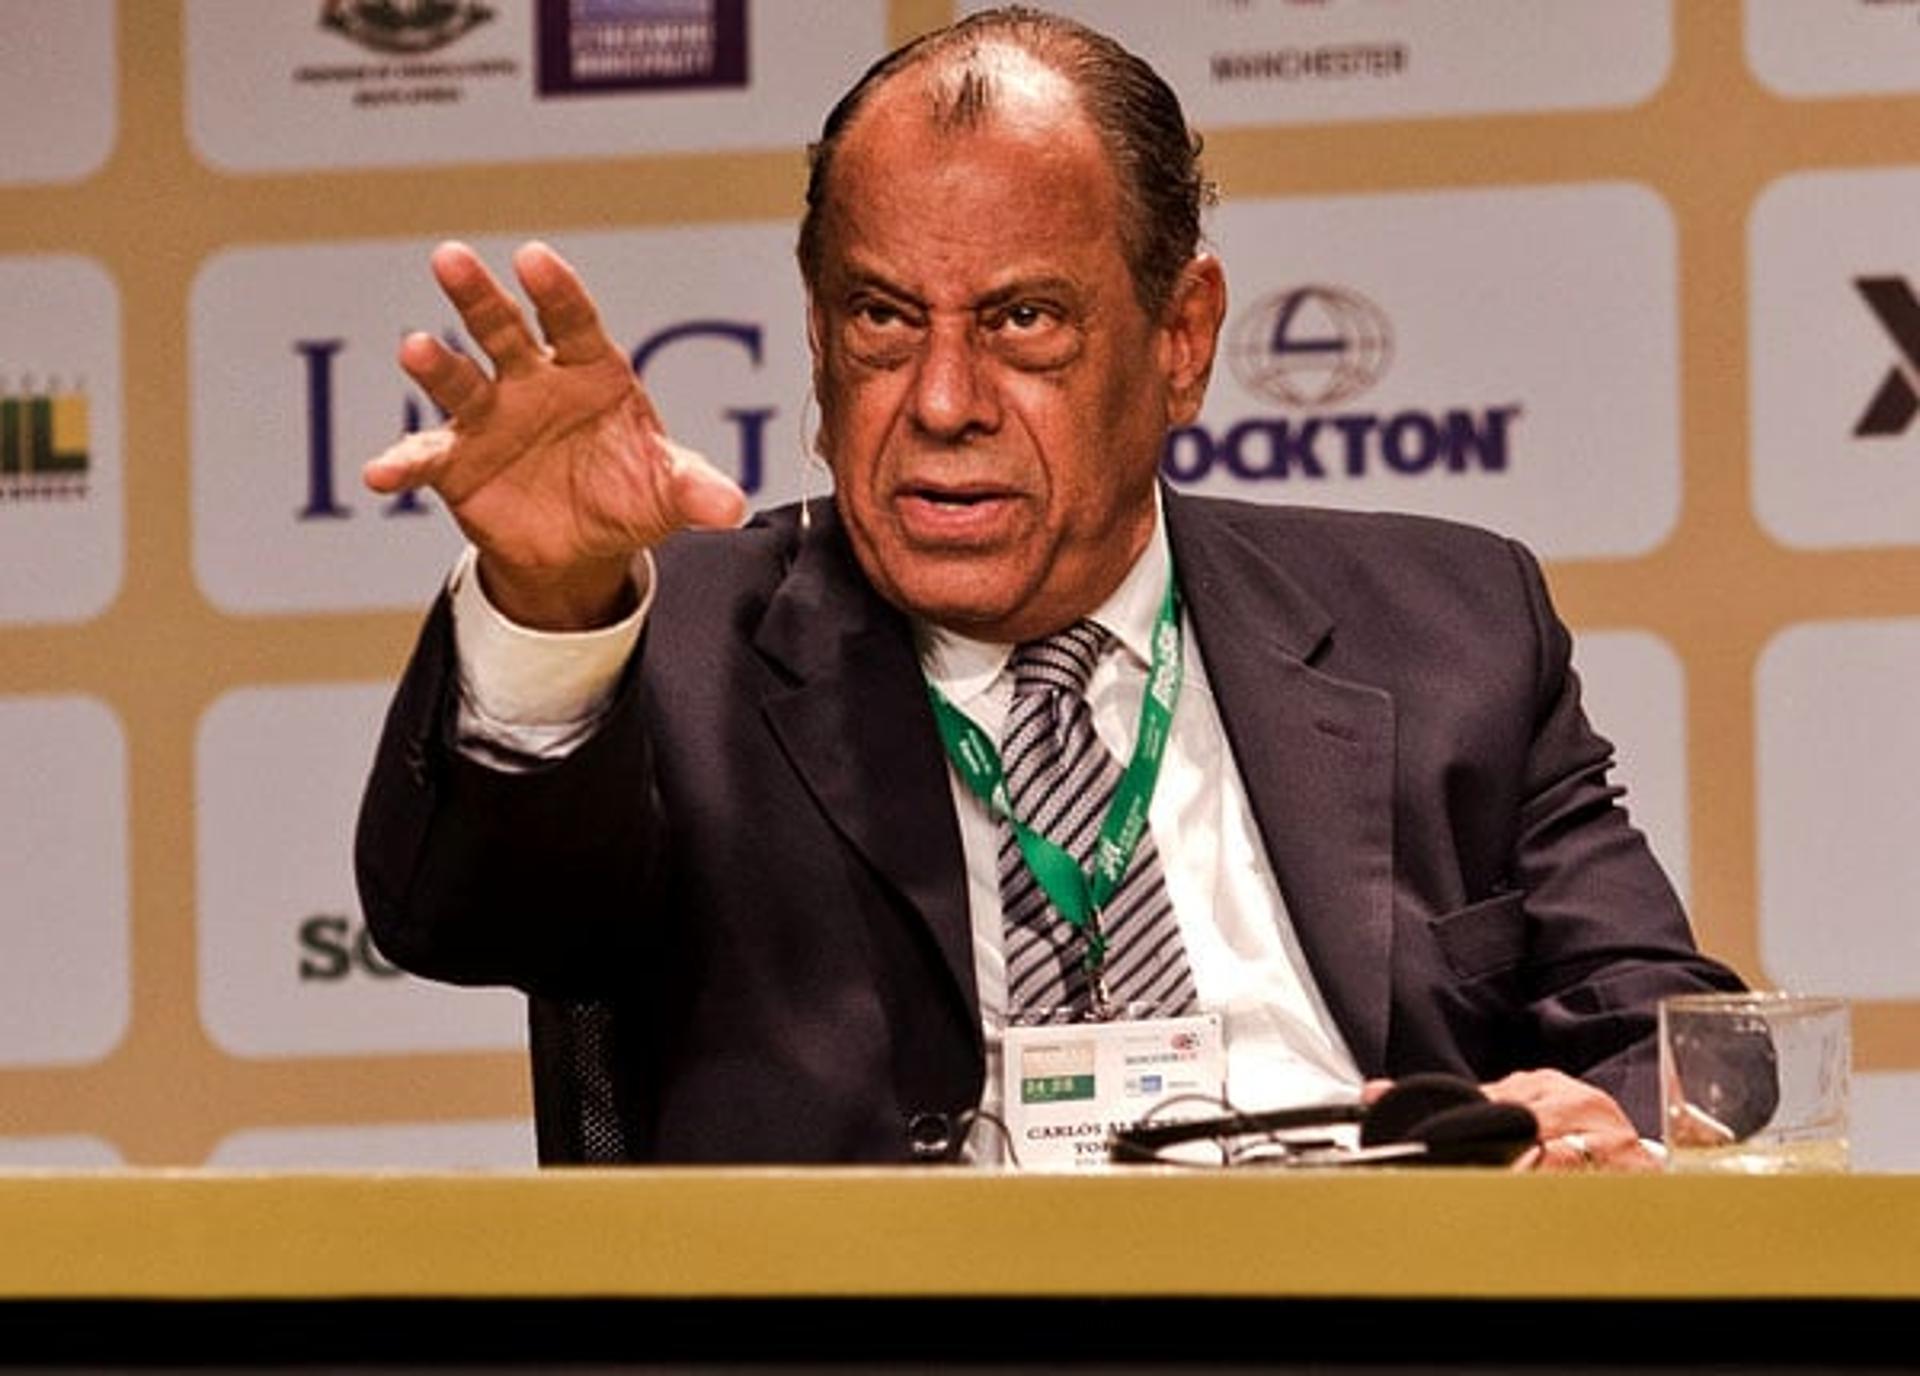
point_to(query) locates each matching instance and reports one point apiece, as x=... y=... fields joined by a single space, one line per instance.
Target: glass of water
x=1755 y=1084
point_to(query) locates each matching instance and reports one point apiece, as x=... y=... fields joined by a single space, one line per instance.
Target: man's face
x=993 y=396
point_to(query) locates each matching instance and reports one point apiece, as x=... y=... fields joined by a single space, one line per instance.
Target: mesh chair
x=581 y=1113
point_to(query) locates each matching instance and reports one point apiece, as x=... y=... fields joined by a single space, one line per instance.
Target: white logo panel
x=272 y=88
x=60 y=504
x=1518 y=371
x=1635 y=693
x=286 y=966
x=65 y=982
x=76 y=1152
x=1845 y=47
x=295 y=386
x=1834 y=339
x=1836 y=756
x=58 y=70
x=504 y=1143
x=1242 y=62
x=1883 y=1120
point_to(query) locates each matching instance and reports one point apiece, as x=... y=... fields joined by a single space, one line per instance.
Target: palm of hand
x=555 y=461
x=564 y=462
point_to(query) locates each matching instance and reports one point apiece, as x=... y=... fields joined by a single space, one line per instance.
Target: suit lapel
x=853 y=718
x=1315 y=754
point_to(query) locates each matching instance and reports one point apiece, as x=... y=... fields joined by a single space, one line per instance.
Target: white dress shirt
x=529 y=693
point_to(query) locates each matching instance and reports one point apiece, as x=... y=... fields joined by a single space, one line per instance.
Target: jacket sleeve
x=1606 y=935
x=479 y=876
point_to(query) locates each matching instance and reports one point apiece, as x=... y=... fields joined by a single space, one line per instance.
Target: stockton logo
x=1312 y=349
x=319 y=358
x=43 y=443
x=404 y=26
x=1894 y=405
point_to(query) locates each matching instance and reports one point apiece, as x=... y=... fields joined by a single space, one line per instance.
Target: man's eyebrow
x=862 y=279
x=1049 y=286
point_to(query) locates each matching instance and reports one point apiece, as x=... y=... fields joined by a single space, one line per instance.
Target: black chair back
x=581 y=1115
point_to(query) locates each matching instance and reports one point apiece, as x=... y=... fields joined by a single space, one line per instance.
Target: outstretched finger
x=568 y=319
x=415 y=460
x=703 y=496
x=453 y=382
x=492 y=317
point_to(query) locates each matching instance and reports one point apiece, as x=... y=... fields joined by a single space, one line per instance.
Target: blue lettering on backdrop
x=323 y=500
x=1409 y=443
x=750 y=422
x=319 y=356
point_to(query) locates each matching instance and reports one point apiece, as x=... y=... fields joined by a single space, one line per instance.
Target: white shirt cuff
x=528 y=692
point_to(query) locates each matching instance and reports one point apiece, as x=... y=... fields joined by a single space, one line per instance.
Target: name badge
x=1066 y=1086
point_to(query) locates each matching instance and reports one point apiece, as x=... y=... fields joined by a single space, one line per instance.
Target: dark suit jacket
x=757 y=859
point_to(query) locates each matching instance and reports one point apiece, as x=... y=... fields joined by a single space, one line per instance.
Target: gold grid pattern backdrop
x=1717 y=589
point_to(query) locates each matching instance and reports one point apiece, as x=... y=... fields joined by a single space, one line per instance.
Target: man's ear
x=816 y=331
x=814 y=334
x=1190 y=335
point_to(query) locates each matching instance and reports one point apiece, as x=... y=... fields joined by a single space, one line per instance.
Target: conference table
x=1151 y=1267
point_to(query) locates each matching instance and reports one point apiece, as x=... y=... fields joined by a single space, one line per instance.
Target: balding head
x=984 y=66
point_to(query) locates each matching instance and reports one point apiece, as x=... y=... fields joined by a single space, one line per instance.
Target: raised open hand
x=557 y=466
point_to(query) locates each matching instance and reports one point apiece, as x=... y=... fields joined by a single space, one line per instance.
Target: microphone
x=1439 y=1120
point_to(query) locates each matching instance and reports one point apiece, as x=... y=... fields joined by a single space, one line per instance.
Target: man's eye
x=877 y=314
x=1032 y=335
x=879 y=333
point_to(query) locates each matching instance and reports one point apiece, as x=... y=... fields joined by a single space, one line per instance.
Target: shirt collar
x=965 y=669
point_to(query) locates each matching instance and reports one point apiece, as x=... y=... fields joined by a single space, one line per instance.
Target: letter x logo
x=1893 y=407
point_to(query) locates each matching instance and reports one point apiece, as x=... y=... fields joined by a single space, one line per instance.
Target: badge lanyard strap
x=1077 y=894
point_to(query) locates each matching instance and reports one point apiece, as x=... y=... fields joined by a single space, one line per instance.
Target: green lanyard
x=1079 y=895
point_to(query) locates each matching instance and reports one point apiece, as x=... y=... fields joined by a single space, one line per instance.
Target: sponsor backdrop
x=1634 y=280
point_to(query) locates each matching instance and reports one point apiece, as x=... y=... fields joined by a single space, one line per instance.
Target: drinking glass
x=1756 y=1083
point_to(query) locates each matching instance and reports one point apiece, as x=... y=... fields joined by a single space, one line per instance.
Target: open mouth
x=947 y=498
x=947 y=514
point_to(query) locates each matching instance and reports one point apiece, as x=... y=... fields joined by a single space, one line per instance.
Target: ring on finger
x=1577 y=1141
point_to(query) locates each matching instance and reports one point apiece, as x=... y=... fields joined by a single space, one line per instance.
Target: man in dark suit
x=703 y=776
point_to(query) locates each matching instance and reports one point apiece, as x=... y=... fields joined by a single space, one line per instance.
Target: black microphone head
x=1410 y=1102
x=1452 y=1119
x=1483 y=1134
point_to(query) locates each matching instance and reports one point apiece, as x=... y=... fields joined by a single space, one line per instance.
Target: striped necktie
x=1060 y=779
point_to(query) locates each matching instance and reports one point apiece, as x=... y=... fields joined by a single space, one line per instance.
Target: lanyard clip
x=1099 y=1001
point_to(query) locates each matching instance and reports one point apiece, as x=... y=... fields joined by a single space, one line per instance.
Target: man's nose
x=953 y=393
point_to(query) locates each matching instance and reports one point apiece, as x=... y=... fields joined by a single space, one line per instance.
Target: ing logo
x=44 y=444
